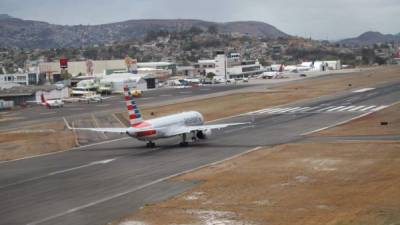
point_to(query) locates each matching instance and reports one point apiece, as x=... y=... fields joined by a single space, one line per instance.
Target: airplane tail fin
x=135 y=117
x=43 y=100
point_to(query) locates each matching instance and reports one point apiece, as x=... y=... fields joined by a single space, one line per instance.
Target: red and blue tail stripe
x=135 y=116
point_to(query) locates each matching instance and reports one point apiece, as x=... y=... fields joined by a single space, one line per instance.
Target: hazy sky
x=320 y=19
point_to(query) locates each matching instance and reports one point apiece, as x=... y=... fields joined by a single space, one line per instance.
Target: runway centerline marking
x=147 y=98
x=69 y=211
x=48 y=113
x=102 y=162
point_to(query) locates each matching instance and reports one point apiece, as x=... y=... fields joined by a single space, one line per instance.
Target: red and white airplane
x=56 y=103
x=186 y=124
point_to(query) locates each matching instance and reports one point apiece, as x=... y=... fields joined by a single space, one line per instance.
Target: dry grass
x=34 y=140
x=313 y=183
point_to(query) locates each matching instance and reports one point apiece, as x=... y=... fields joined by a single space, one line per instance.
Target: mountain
x=370 y=38
x=35 y=34
x=5 y=16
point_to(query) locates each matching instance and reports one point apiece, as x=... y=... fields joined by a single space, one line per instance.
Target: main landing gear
x=150 y=144
x=184 y=143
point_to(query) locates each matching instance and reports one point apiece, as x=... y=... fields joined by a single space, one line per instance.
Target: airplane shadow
x=171 y=147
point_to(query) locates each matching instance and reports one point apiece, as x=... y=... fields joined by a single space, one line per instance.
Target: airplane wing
x=38 y=102
x=121 y=130
x=70 y=99
x=188 y=129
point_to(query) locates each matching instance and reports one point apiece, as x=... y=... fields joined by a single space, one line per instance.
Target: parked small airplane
x=92 y=98
x=56 y=103
x=184 y=124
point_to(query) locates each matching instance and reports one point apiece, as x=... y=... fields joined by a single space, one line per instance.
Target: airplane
x=182 y=124
x=56 y=103
x=92 y=98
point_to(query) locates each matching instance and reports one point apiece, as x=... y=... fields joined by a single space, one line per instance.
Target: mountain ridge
x=37 y=34
x=370 y=38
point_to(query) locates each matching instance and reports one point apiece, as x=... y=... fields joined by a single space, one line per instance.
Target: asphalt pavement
x=36 y=113
x=102 y=182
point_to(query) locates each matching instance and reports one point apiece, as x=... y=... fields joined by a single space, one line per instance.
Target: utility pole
x=225 y=62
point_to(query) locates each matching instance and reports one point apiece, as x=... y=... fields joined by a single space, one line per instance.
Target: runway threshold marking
x=351 y=119
x=139 y=188
x=102 y=162
x=319 y=109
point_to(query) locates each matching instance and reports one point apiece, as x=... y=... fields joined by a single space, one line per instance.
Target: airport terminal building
x=95 y=68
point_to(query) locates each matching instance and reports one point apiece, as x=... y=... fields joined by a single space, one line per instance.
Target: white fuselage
x=163 y=127
x=53 y=103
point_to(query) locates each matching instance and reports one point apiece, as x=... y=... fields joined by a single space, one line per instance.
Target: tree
x=65 y=75
x=210 y=75
x=213 y=29
x=195 y=30
x=91 y=53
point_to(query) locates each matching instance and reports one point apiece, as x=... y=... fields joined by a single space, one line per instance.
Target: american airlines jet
x=186 y=124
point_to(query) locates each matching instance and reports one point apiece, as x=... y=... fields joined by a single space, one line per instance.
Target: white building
x=323 y=65
x=118 y=81
x=21 y=79
x=103 y=67
x=234 y=67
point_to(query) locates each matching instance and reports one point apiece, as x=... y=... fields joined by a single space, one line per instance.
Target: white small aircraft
x=56 y=103
x=92 y=98
x=186 y=124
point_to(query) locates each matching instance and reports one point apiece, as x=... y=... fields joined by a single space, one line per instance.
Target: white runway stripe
x=357 y=108
x=346 y=108
x=295 y=109
x=365 y=109
x=318 y=109
x=263 y=111
x=285 y=110
x=307 y=109
x=326 y=108
x=336 y=108
x=275 y=110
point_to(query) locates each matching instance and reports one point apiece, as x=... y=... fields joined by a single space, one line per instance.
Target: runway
x=38 y=113
x=100 y=183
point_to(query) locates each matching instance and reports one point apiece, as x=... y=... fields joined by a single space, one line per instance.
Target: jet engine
x=204 y=134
